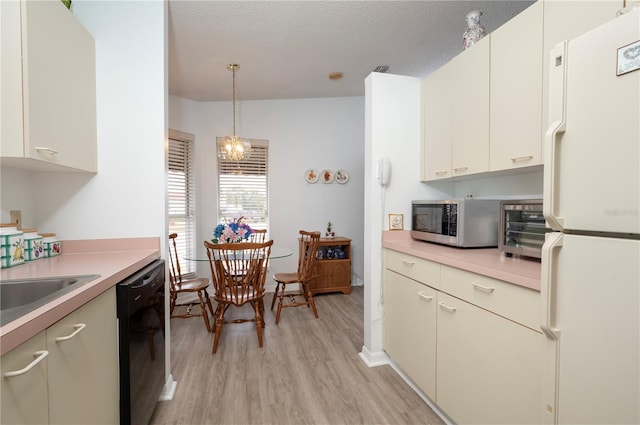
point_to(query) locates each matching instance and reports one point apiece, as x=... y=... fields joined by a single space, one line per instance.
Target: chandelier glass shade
x=233 y=147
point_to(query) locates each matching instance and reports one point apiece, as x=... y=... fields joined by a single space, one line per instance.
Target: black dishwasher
x=141 y=334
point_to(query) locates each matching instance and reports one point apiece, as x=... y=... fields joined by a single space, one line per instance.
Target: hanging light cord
x=233 y=68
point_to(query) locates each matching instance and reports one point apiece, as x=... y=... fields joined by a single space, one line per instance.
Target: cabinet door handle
x=78 y=328
x=522 y=158
x=447 y=307
x=441 y=173
x=408 y=263
x=460 y=169
x=482 y=288
x=49 y=151
x=425 y=296
x=40 y=356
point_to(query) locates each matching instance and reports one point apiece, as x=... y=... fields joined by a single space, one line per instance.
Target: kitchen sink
x=20 y=296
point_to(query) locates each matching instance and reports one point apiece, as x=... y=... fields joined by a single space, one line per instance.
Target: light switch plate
x=16 y=217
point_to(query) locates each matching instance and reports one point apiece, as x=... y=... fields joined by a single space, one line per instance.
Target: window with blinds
x=243 y=187
x=181 y=192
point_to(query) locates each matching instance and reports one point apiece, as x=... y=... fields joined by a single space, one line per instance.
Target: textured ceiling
x=287 y=49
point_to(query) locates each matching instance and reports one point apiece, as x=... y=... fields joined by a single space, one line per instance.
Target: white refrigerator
x=591 y=261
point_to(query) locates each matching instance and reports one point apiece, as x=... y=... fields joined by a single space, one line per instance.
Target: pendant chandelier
x=233 y=147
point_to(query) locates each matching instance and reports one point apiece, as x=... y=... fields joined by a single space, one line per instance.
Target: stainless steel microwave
x=464 y=223
x=522 y=228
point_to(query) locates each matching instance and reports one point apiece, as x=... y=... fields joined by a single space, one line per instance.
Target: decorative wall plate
x=342 y=176
x=327 y=176
x=311 y=175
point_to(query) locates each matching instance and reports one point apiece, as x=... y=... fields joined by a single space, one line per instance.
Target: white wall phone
x=384 y=171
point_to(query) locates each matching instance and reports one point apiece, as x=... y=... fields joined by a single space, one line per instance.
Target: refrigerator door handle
x=551 y=352
x=552 y=243
x=557 y=125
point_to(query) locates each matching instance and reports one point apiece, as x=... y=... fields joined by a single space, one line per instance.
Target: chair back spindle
x=175 y=274
x=258 y=236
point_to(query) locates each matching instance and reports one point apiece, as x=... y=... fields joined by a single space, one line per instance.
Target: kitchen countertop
x=485 y=261
x=112 y=259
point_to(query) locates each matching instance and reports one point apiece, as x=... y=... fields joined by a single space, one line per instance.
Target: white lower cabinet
x=78 y=381
x=470 y=346
x=410 y=329
x=24 y=396
x=85 y=365
x=489 y=369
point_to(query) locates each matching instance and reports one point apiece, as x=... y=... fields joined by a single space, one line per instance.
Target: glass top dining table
x=276 y=252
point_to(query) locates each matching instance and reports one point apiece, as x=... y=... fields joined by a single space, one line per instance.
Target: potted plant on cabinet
x=330 y=233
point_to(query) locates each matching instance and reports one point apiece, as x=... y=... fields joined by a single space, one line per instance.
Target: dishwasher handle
x=147 y=276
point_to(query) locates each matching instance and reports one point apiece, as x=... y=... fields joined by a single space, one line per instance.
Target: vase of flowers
x=232 y=231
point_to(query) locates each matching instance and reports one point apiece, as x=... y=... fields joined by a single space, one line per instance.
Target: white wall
x=302 y=134
x=17 y=194
x=392 y=122
x=126 y=198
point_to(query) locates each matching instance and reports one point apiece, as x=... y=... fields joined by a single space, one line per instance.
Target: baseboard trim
x=417 y=390
x=169 y=389
x=373 y=359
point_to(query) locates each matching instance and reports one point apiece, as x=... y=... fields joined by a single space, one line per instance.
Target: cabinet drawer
x=419 y=269
x=514 y=302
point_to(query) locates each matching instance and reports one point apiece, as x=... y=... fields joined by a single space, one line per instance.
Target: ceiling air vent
x=381 y=68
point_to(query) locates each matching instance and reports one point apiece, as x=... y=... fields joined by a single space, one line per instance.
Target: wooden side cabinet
x=333 y=269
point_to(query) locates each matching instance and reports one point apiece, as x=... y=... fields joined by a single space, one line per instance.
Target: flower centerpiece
x=231 y=231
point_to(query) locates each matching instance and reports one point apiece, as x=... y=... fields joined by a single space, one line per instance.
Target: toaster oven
x=522 y=228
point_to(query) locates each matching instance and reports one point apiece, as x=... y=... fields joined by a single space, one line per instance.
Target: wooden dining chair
x=237 y=273
x=178 y=286
x=258 y=236
x=307 y=262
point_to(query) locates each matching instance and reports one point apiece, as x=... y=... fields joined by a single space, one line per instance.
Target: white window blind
x=243 y=187
x=181 y=192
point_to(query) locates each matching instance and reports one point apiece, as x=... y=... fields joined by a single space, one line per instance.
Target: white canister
x=12 y=244
x=51 y=244
x=33 y=245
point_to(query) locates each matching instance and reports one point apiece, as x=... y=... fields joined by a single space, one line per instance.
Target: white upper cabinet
x=455 y=102
x=436 y=146
x=487 y=107
x=49 y=88
x=470 y=110
x=516 y=92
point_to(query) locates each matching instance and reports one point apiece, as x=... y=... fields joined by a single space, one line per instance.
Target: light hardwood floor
x=308 y=372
